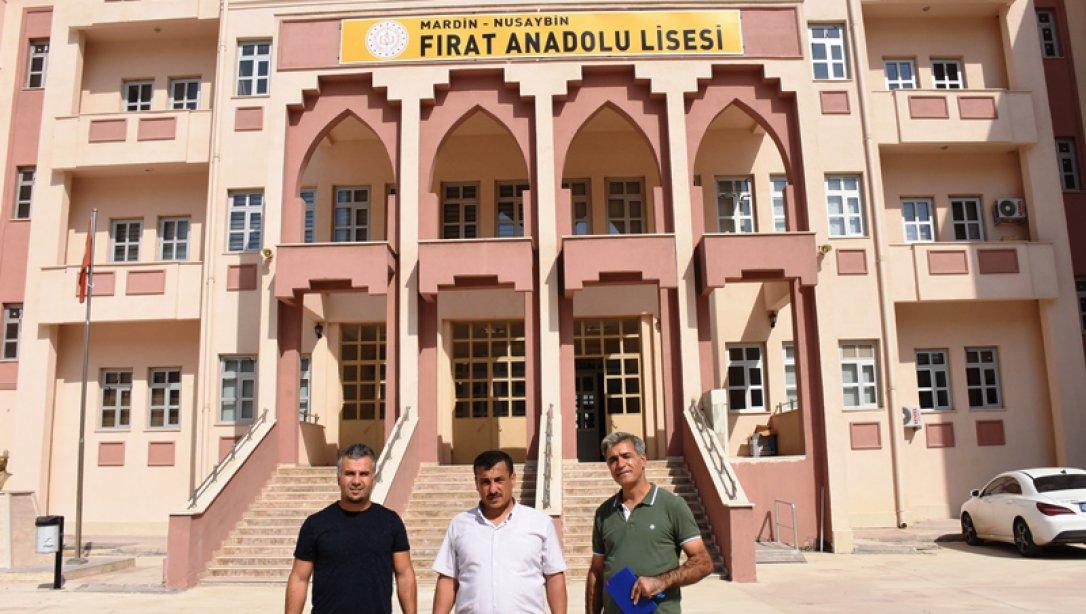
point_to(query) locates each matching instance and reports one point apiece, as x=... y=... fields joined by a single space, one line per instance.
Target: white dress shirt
x=501 y=568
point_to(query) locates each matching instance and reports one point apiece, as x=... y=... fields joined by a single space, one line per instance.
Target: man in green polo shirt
x=642 y=527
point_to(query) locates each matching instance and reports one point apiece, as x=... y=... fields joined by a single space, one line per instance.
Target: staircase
x=438 y=494
x=587 y=485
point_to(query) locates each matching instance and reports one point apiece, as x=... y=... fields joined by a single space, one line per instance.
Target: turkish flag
x=84 y=270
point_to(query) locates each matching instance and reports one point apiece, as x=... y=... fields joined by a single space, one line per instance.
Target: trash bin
x=48 y=534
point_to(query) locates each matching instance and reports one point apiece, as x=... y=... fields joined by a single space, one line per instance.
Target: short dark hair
x=355 y=451
x=488 y=459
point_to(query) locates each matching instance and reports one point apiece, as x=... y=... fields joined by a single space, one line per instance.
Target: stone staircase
x=587 y=485
x=441 y=492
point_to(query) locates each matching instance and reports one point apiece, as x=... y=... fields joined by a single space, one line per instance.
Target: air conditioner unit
x=911 y=417
x=1009 y=211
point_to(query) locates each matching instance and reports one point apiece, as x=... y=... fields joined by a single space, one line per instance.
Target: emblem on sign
x=386 y=39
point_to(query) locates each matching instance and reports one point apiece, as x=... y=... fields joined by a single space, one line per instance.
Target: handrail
x=545 y=457
x=214 y=475
x=777 y=524
x=786 y=406
x=397 y=431
x=716 y=460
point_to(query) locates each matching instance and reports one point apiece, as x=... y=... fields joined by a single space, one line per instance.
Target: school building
x=825 y=253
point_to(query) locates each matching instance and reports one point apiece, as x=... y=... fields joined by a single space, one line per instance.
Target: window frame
x=254 y=80
x=626 y=198
x=1067 y=163
x=1052 y=26
x=1080 y=290
x=128 y=245
x=140 y=104
x=845 y=215
x=309 y=214
x=747 y=388
x=788 y=362
x=933 y=369
x=916 y=224
x=352 y=229
x=305 y=386
x=240 y=377
x=779 y=200
x=946 y=83
x=171 y=390
x=981 y=365
x=899 y=83
x=579 y=199
x=21 y=182
x=12 y=340
x=250 y=212
x=118 y=409
x=173 y=100
x=363 y=369
x=175 y=243
x=829 y=61
x=860 y=362
x=463 y=205
x=965 y=223
x=32 y=55
x=738 y=217
x=516 y=223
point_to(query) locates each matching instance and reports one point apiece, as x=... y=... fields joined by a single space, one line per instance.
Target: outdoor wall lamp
x=772 y=319
x=318 y=330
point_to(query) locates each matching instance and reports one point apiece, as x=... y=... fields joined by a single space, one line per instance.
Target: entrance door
x=587 y=384
x=613 y=348
x=490 y=395
x=362 y=373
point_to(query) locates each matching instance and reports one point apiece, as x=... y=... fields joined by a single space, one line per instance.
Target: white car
x=1030 y=508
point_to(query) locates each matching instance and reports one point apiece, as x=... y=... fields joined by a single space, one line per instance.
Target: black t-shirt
x=352 y=558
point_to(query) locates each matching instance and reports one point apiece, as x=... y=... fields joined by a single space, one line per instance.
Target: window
x=309 y=197
x=900 y=74
x=363 y=357
x=780 y=213
x=35 y=68
x=184 y=94
x=625 y=206
x=254 y=64
x=246 y=209
x=918 y=219
x=947 y=74
x=489 y=369
x=1065 y=158
x=460 y=211
x=13 y=321
x=352 y=215
x=734 y=209
x=746 y=389
x=1080 y=288
x=844 y=205
x=237 y=396
x=790 y=390
x=616 y=343
x=24 y=191
x=305 y=385
x=859 y=375
x=116 y=399
x=1050 y=36
x=581 y=204
x=828 y=57
x=967 y=219
x=165 y=398
x=137 y=95
x=125 y=240
x=510 y=207
x=932 y=379
x=173 y=238
x=982 y=377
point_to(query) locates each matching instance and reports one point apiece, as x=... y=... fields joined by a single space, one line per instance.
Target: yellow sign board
x=541 y=35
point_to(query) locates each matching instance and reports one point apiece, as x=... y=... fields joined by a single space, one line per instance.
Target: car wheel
x=969 y=532
x=1023 y=539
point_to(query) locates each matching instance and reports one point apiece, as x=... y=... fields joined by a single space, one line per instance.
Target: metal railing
x=217 y=469
x=786 y=406
x=397 y=432
x=548 y=434
x=715 y=456
x=777 y=524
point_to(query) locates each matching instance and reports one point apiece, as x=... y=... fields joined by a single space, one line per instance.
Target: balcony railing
x=88 y=13
x=120 y=139
x=313 y=267
x=989 y=271
x=632 y=258
x=127 y=292
x=451 y=263
x=954 y=116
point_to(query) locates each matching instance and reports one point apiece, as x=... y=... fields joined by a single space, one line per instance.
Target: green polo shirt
x=649 y=542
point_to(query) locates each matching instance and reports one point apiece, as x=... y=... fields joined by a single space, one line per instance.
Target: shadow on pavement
x=1003 y=550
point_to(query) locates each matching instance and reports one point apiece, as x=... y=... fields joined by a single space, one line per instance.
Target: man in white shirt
x=500 y=556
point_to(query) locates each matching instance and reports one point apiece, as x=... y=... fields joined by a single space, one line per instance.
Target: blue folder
x=619 y=587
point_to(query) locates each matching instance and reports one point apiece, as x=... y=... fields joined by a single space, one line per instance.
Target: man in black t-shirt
x=352 y=548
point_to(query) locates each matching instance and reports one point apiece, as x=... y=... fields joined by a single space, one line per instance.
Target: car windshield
x=1051 y=483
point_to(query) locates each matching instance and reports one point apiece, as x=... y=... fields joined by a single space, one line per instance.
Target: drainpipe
x=888 y=320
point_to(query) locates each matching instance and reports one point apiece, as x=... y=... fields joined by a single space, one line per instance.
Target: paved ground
x=951 y=578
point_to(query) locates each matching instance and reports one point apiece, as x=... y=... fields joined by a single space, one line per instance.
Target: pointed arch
x=637 y=128
x=465 y=117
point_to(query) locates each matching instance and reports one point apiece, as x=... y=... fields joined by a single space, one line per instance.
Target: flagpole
x=83 y=398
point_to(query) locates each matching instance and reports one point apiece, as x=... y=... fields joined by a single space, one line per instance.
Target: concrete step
x=772 y=552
